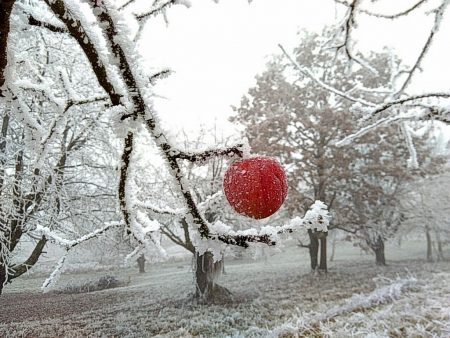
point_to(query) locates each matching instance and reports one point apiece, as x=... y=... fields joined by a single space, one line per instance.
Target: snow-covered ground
x=276 y=297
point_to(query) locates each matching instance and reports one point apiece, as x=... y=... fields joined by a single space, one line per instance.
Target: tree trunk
x=440 y=252
x=5 y=12
x=2 y=278
x=333 y=249
x=323 y=253
x=429 y=245
x=313 y=249
x=378 y=248
x=141 y=263
x=206 y=273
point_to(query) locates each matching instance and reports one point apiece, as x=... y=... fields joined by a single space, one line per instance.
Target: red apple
x=255 y=186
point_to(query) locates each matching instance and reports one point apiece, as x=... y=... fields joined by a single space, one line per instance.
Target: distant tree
x=289 y=114
x=427 y=209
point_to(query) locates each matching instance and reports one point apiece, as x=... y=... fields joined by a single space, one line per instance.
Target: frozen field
x=273 y=298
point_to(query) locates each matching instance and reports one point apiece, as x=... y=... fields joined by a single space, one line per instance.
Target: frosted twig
x=162 y=211
x=54 y=276
x=126 y=4
x=310 y=74
x=210 y=199
x=397 y=102
x=396 y=15
x=412 y=162
x=32 y=21
x=160 y=7
x=237 y=150
x=363 y=131
x=71 y=243
x=160 y=75
x=436 y=25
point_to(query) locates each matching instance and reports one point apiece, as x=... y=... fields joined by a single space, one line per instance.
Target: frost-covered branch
x=439 y=13
x=412 y=162
x=124 y=169
x=316 y=218
x=385 y=106
x=126 y=4
x=346 y=28
x=363 y=131
x=237 y=150
x=161 y=211
x=32 y=21
x=5 y=13
x=160 y=75
x=159 y=7
x=396 y=15
x=71 y=243
x=88 y=44
x=310 y=74
x=56 y=273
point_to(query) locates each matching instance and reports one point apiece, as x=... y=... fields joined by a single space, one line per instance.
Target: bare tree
x=46 y=166
x=426 y=209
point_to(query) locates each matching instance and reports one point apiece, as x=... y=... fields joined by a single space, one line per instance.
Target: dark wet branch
x=6 y=7
x=172 y=236
x=124 y=169
x=55 y=29
x=160 y=75
x=244 y=240
x=20 y=269
x=347 y=28
x=126 y=4
x=156 y=10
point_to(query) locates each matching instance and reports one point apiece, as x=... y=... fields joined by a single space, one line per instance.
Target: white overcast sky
x=216 y=49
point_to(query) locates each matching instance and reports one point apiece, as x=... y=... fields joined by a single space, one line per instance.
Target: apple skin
x=255 y=187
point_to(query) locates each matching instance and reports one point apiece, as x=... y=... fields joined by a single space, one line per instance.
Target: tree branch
x=156 y=10
x=5 y=12
x=237 y=150
x=393 y=103
x=124 y=168
x=437 y=23
x=327 y=87
x=397 y=15
x=32 y=21
x=19 y=270
x=74 y=28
